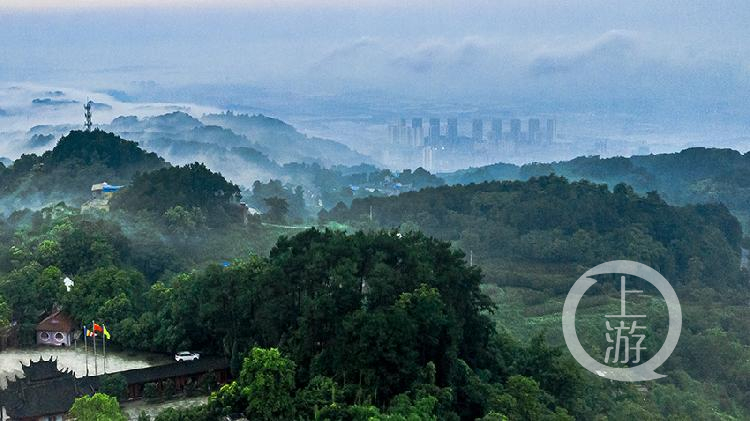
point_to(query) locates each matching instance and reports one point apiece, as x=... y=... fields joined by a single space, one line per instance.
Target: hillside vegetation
x=694 y=175
x=533 y=239
x=67 y=171
x=544 y=231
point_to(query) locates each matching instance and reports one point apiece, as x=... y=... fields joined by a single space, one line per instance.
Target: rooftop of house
x=104 y=187
x=56 y=322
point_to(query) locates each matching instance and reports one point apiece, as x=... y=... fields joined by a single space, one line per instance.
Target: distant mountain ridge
x=283 y=143
x=693 y=175
x=243 y=147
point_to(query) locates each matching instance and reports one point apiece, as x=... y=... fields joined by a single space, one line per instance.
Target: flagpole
x=104 y=345
x=96 y=368
x=86 y=349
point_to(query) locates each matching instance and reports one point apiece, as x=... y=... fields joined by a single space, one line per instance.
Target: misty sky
x=582 y=55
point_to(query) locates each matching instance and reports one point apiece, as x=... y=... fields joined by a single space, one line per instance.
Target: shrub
x=150 y=392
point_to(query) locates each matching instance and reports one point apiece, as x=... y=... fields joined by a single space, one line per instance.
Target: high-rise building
x=393 y=134
x=551 y=132
x=416 y=126
x=434 y=133
x=497 y=130
x=427 y=159
x=406 y=133
x=535 y=131
x=477 y=130
x=452 y=133
x=400 y=134
x=515 y=130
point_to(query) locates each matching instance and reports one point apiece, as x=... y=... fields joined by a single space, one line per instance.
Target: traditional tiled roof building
x=46 y=393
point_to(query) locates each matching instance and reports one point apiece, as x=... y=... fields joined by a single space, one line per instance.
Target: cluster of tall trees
x=192 y=187
x=363 y=323
x=383 y=319
x=279 y=202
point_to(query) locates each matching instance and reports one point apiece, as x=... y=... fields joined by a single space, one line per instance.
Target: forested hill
x=694 y=175
x=187 y=195
x=67 y=172
x=544 y=231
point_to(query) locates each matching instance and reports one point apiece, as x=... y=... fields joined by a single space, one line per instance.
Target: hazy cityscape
x=448 y=142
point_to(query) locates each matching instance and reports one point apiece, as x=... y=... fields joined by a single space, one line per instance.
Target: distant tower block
x=434 y=131
x=497 y=130
x=515 y=130
x=477 y=130
x=87 y=115
x=416 y=126
x=427 y=159
x=452 y=131
x=551 y=132
x=535 y=131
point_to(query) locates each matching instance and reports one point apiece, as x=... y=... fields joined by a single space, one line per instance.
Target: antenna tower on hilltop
x=87 y=115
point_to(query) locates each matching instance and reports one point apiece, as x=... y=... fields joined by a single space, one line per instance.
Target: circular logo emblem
x=628 y=324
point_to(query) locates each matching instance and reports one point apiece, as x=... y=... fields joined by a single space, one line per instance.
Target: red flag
x=97 y=328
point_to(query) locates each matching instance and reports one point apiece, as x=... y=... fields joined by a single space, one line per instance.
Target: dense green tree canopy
x=189 y=186
x=548 y=227
x=98 y=407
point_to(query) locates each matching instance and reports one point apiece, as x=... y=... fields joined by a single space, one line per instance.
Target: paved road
x=296 y=227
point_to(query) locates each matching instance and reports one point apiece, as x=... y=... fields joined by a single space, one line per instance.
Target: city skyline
x=448 y=134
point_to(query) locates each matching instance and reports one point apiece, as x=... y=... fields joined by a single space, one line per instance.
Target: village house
x=55 y=330
x=101 y=193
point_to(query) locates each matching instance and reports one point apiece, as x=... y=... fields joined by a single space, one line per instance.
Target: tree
x=105 y=292
x=277 y=209
x=98 y=407
x=150 y=392
x=524 y=400
x=264 y=389
x=182 y=221
x=267 y=383
x=114 y=385
x=5 y=313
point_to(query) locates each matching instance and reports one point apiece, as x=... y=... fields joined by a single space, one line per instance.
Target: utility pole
x=370 y=213
x=96 y=367
x=85 y=349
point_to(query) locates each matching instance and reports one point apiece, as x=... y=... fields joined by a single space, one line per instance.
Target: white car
x=186 y=356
